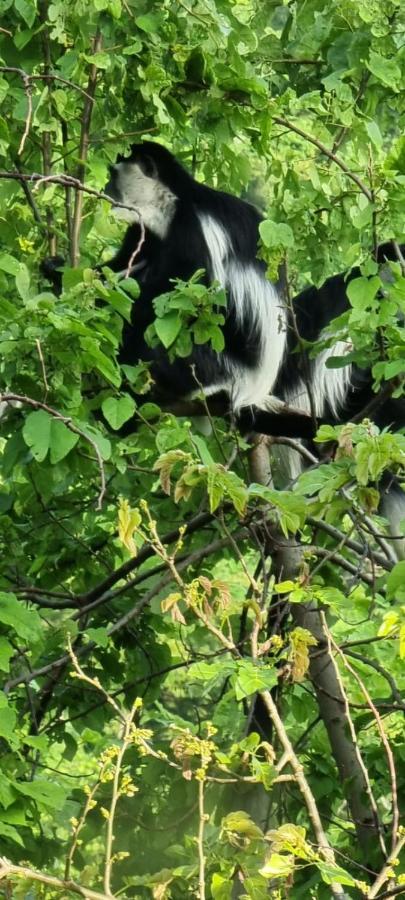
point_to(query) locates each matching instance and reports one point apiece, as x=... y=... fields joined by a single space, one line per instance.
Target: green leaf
x=118 y=410
x=9 y=264
x=102 y=443
x=98 y=635
x=362 y=291
x=22 y=281
x=8 y=831
x=374 y=134
x=396 y=581
x=251 y=678
x=221 y=887
x=101 y=60
x=104 y=365
x=7 y=792
x=168 y=328
x=6 y=652
x=386 y=70
x=276 y=234
x=149 y=22
x=332 y=873
x=8 y=721
x=62 y=441
x=37 y=433
x=45 y=793
x=27 y=10
x=291 y=507
x=22 y=619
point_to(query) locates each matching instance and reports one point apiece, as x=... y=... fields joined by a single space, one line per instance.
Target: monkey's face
x=135 y=182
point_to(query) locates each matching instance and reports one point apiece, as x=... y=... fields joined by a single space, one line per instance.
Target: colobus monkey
x=190 y=226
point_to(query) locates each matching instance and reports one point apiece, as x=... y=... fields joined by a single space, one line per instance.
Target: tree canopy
x=201 y=671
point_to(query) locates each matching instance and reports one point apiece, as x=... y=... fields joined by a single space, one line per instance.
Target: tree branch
x=83 y=149
x=326 y=152
x=7 y=870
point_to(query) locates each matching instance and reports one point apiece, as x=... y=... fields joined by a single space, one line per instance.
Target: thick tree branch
x=286 y=558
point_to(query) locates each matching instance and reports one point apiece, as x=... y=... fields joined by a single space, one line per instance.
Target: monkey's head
x=151 y=181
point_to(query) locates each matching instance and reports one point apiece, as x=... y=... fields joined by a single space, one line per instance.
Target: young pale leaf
x=128 y=521
x=277 y=866
x=221 y=887
x=239 y=822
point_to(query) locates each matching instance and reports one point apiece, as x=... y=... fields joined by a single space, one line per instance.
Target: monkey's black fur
x=190 y=226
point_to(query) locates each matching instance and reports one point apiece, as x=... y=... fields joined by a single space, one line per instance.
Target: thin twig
x=387 y=869
x=49 y=76
x=325 y=150
x=30 y=199
x=137 y=250
x=353 y=735
x=66 y=181
x=42 y=361
x=396 y=695
x=388 y=751
x=28 y=118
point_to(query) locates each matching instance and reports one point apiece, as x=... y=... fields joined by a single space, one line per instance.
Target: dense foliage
x=152 y=584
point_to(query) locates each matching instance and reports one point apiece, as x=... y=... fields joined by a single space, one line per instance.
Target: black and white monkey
x=190 y=226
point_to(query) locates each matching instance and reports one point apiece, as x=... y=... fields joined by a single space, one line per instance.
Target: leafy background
x=298 y=106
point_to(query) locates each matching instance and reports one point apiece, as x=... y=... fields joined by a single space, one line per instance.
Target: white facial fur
x=153 y=200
